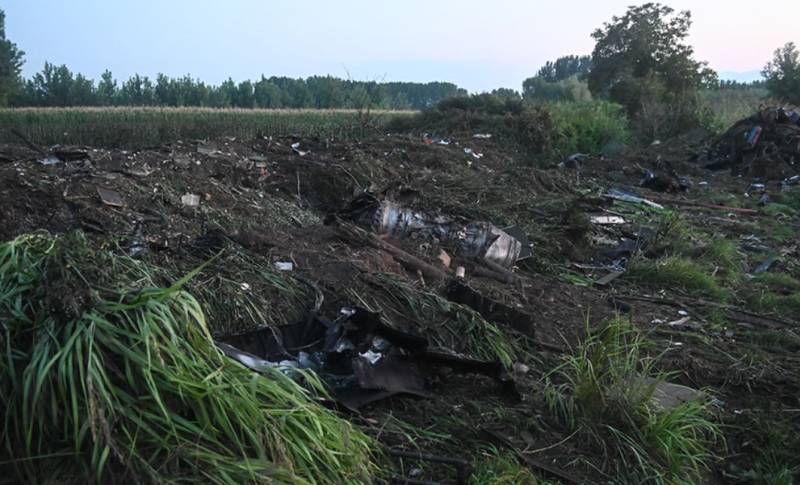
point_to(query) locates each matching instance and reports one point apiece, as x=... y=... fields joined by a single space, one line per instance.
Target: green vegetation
x=782 y=74
x=495 y=467
x=605 y=388
x=537 y=130
x=731 y=104
x=57 y=86
x=642 y=62
x=106 y=375
x=677 y=272
x=588 y=127
x=11 y=60
x=446 y=324
x=137 y=127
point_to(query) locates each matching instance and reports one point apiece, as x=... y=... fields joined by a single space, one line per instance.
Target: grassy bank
x=134 y=127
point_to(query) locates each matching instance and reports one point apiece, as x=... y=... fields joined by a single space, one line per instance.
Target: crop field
x=135 y=127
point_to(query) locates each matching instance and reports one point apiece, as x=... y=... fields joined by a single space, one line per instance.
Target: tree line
x=58 y=86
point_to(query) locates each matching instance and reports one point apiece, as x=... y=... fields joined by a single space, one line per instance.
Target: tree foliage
x=782 y=74
x=11 y=60
x=564 y=68
x=58 y=86
x=642 y=57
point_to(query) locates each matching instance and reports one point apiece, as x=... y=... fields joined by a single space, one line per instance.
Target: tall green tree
x=642 y=57
x=11 y=60
x=565 y=67
x=782 y=74
x=106 y=89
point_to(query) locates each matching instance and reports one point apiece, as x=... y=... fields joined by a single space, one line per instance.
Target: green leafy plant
x=106 y=376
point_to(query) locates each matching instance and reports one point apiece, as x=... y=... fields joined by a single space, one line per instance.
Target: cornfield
x=138 y=127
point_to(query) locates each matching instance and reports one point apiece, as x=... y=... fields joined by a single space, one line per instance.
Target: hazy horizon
x=475 y=45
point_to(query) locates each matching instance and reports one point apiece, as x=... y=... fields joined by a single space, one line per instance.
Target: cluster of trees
x=641 y=61
x=562 y=80
x=782 y=74
x=58 y=86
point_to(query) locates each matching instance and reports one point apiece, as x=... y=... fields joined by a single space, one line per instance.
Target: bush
x=570 y=89
x=527 y=127
x=540 y=130
x=588 y=127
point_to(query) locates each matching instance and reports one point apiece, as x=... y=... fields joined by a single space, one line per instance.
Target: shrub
x=605 y=388
x=588 y=127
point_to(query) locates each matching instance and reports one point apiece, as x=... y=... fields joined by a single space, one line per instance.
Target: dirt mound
x=765 y=145
x=682 y=267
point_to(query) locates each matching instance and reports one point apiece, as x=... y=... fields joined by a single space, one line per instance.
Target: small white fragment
x=284 y=265
x=372 y=357
x=190 y=200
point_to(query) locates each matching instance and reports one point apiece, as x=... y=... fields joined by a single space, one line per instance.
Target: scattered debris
x=296 y=149
x=609 y=277
x=110 y=197
x=573 y=161
x=475 y=155
x=608 y=220
x=361 y=358
x=472 y=239
x=284 y=265
x=764 y=145
x=190 y=200
x=624 y=196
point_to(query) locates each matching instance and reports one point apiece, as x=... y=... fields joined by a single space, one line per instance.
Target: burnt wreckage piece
x=358 y=356
x=472 y=239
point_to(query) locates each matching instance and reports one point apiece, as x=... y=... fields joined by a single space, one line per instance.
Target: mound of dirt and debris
x=404 y=308
x=765 y=145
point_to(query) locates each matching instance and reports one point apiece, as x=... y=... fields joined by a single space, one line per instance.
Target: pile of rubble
x=765 y=145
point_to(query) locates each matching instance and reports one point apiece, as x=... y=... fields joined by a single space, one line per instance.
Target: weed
x=676 y=272
x=106 y=375
x=674 y=234
x=778 y=282
x=765 y=301
x=725 y=255
x=605 y=389
x=497 y=467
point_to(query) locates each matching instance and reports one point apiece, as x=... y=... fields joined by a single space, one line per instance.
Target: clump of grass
x=498 y=467
x=780 y=282
x=725 y=256
x=677 y=272
x=242 y=291
x=605 y=389
x=447 y=324
x=776 y=210
x=673 y=234
x=765 y=301
x=108 y=377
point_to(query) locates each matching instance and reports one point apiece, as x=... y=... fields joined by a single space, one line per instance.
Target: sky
x=479 y=45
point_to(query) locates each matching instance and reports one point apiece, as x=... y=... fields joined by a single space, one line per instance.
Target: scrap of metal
x=472 y=239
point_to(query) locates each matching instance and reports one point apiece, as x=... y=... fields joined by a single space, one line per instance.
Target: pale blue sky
x=478 y=45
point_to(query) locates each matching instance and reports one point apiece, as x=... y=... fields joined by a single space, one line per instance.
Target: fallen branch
x=356 y=235
x=748 y=316
x=740 y=210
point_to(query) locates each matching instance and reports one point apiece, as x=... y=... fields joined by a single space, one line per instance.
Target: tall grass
x=107 y=377
x=138 y=127
x=605 y=389
x=447 y=324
